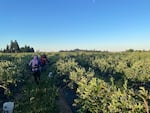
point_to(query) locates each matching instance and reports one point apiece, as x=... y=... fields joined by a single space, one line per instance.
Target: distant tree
x=11 y=47
x=31 y=49
x=14 y=48
x=7 y=47
x=130 y=50
x=27 y=49
x=7 y=50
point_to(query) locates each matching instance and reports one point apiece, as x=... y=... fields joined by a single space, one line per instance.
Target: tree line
x=15 y=48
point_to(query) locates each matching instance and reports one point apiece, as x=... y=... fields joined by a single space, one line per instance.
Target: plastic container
x=8 y=107
x=50 y=74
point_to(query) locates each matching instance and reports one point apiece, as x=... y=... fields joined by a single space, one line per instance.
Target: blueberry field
x=91 y=82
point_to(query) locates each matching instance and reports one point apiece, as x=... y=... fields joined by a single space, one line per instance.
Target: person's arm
x=30 y=63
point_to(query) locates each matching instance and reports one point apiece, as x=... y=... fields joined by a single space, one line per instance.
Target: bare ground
x=62 y=104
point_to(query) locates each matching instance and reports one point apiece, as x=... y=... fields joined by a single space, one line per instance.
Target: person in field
x=43 y=60
x=35 y=64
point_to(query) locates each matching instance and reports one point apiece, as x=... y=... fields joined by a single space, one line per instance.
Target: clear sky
x=51 y=25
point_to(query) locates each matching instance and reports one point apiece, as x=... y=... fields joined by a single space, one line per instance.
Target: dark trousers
x=36 y=75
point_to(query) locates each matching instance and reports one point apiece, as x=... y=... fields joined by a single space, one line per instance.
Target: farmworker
x=35 y=64
x=43 y=60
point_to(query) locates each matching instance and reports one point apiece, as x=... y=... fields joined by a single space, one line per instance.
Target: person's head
x=43 y=55
x=35 y=57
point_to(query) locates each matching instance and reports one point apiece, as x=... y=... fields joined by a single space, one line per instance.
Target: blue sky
x=52 y=25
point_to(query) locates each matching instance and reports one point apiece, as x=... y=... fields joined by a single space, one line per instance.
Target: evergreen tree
x=14 y=48
x=11 y=46
x=26 y=49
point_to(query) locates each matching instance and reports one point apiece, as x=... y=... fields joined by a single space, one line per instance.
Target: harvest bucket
x=8 y=107
x=50 y=74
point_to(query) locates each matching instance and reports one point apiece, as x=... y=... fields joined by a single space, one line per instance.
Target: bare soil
x=62 y=104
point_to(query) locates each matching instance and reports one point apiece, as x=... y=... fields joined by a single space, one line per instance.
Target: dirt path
x=62 y=104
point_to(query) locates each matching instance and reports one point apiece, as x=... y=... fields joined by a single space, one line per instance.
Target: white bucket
x=50 y=74
x=8 y=107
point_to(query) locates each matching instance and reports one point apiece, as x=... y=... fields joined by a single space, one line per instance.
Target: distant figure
x=43 y=60
x=35 y=64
